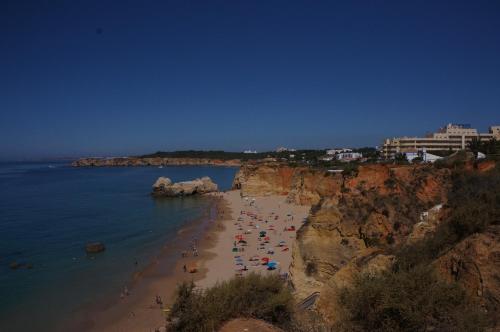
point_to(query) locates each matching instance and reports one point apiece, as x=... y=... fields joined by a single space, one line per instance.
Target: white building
x=348 y=156
x=426 y=157
x=283 y=149
x=337 y=151
x=452 y=137
x=250 y=151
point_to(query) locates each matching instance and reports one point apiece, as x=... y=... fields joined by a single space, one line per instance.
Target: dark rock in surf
x=94 y=247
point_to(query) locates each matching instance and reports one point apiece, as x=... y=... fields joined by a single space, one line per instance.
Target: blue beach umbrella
x=272 y=264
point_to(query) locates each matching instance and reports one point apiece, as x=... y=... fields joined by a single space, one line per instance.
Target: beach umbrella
x=265 y=259
x=271 y=265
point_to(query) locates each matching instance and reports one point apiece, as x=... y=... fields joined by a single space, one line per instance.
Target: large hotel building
x=452 y=137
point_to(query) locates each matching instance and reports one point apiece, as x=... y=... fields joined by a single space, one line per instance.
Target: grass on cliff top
x=256 y=296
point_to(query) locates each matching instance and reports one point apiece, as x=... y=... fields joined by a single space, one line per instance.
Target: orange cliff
x=356 y=219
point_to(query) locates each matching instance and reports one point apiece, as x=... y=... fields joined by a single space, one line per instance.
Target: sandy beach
x=260 y=230
x=242 y=235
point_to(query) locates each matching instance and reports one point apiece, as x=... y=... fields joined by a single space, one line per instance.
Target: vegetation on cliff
x=412 y=296
x=407 y=300
x=473 y=205
x=256 y=296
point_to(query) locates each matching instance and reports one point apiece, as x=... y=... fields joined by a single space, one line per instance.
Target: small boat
x=160 y=166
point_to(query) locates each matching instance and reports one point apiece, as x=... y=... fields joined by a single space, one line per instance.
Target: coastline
x=154 y=161
x=215 y=262
x=138 y=311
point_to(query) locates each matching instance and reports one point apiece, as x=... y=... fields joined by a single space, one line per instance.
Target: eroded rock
x=94 y=247
x=164 y=187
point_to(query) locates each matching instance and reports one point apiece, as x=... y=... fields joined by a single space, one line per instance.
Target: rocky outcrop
x=349 y=231
x=369 y=261
x=133 y=161
x=164 y=187
x=475 y=263
x=429 y=220
x=94 y=247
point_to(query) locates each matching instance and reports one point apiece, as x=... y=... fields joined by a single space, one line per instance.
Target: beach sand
x=216 y=260
x=250 y=217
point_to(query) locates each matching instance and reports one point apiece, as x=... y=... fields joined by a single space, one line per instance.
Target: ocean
x=49 y=211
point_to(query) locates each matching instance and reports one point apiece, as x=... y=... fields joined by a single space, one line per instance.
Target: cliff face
x=349 y=230
x=302 y=185
x=475 y=263
x=353 y=219
x=132 y=161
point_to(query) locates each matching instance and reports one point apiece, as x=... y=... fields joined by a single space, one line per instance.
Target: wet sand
x=221 y=256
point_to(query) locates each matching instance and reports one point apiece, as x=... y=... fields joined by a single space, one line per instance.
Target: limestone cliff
x=302 y=185
x=353 y=219
x=133 y=161
x=475 y=263
x=348 y=232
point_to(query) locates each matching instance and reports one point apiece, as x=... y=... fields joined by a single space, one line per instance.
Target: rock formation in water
x=94 y=247
x=165 y=187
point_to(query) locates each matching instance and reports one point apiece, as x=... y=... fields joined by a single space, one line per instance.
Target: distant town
x=432 y=147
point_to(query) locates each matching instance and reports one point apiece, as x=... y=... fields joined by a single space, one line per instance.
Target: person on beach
x=125 y=290
x=185 y=268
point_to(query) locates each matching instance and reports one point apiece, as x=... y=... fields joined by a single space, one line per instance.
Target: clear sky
x=124 y=77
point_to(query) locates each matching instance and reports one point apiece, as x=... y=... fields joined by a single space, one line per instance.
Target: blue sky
x=84 y=78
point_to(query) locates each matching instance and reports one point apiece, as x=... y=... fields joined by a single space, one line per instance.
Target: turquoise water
x=49 y=211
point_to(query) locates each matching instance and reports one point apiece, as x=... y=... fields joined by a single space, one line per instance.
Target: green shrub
x=413 y=300
x=350 y=170
x=262 y=297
